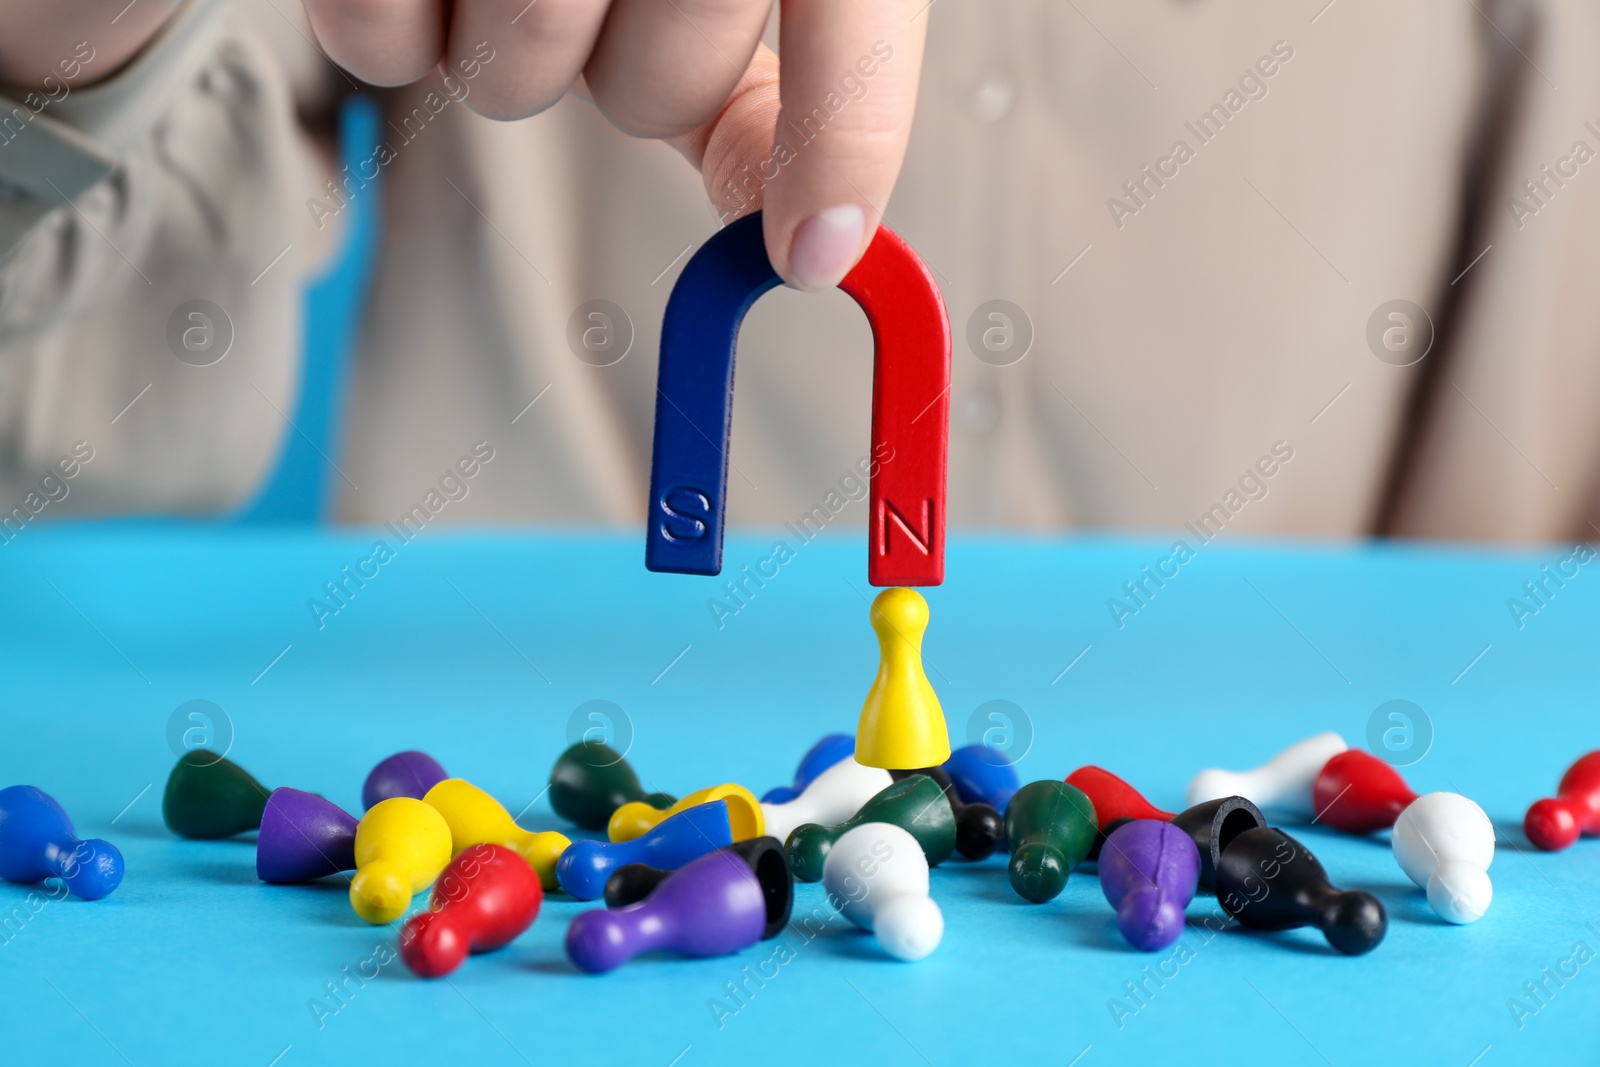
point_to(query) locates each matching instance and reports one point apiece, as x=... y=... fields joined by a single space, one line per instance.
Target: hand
x=53 y=46
x=819 y=151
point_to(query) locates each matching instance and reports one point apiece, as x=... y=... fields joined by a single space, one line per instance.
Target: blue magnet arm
x=694 y=398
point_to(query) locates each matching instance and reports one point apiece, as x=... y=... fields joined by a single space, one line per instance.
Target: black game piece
x=1269 y=881
x=1212 y=825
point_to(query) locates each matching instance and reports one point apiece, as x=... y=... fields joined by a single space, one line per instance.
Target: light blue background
x=478 y=649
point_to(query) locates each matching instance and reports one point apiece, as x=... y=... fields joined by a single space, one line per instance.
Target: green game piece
x=915 y=803
x=590 y=781
x=1050 y=827
x=209 y=797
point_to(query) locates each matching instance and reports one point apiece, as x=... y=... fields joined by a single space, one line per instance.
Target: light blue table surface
x=478 y=648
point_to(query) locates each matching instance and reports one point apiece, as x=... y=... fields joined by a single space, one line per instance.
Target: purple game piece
x=710 y=907
x=303 y=837
x=1149 y=871
x=404 y=774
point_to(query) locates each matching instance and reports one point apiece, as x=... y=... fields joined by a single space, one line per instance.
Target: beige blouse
x=1319 y=268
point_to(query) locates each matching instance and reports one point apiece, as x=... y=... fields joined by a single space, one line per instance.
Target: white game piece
x=1445 y=843
x=877 y=876
x=831 y=798
x=1283 y=783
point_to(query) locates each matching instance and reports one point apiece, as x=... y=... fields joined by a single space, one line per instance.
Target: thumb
x=821 y=154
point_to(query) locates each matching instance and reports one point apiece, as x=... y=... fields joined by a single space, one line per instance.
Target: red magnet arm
x=910 y=411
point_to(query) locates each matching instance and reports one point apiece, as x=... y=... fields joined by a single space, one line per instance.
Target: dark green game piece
x=590 y=781
x=979 y=828
x=1050 y=827
x=915 y=803
x=209 y=797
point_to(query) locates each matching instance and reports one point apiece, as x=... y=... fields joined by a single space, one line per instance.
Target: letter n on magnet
x=907 y=544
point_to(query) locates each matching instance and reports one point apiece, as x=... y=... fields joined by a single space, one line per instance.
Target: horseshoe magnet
x=694 y=404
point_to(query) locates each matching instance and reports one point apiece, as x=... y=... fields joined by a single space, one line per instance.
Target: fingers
x=822 y=156
x=734 y=150
x=384 y=42
x=530 y=53
x=821 y=153
x=51 y=44
x=664 y=67
x=849 y=90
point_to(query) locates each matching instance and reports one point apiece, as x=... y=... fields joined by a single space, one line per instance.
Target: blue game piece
x=37 y=842
x=584 y=867
x=822 y=755
x=982 y=775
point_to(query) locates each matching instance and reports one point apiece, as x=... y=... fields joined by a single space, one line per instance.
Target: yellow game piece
x=476 y=818
x=902 y=726
x=401 y=846
x=635 y=819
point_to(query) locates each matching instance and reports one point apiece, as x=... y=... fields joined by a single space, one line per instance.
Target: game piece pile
x=867 y=816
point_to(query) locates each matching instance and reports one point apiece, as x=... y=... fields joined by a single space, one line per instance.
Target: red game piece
x=1556 y=822
x=1358 y=793
x=1113 y=798
x=485 y=898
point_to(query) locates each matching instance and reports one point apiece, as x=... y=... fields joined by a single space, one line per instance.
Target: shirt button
x=992 y=96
